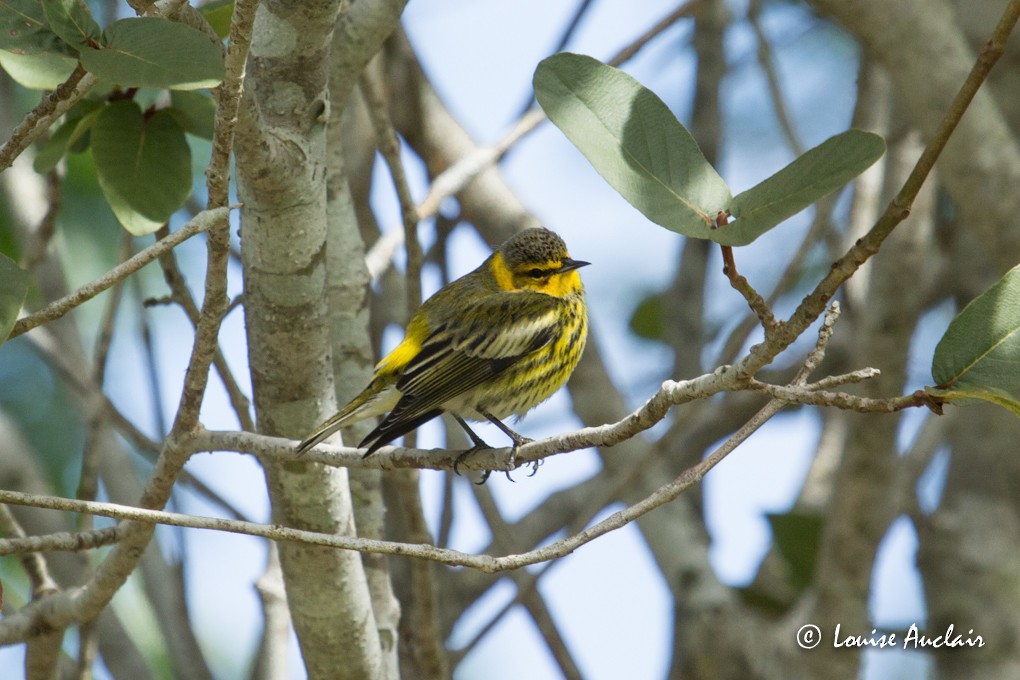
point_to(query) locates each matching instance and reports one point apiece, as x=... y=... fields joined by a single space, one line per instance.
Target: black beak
x=569 y=265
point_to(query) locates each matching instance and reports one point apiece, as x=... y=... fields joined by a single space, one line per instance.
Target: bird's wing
x=456 y=358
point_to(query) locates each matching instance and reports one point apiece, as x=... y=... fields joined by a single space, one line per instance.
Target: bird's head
x=536 y=259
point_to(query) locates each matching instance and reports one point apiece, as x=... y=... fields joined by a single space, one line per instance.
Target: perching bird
x=494 y=343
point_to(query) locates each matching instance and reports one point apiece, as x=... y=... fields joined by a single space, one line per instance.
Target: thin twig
x=33 y=563
x=899 y=208
x=158 y=408
x=58 y=308
x=568 y=34
x=389 y=147
x=88 y=482
x=65 y=541
x=769 y=67
x=668 y=492
x=791 y=274
x=181 y=294
x=39 y=119
x=841 y=400
x=228 y=99
x=754 y=299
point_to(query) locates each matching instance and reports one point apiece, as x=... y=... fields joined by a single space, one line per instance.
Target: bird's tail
x=378 y=398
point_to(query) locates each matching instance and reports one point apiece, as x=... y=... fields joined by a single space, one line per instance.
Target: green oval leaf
x=798 y=537
x=816 y=174
x=72 y=21
x=24 y=29
x=13 y=288
x=55 y=147
x=67 y=136
x=634 y=141
x=143 y=164
x=647 y=321
x=981 y=348
x=155 y=52
x=219 y=14
x=40 y=71
x=195 y=111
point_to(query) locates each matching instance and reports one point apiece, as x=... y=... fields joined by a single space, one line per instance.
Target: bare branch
x=849 y=402
x=900 y=206
x=228 y=98
x=43 y=651
x=768 y=64
x=58 y=308
x=486 y=563
x=34 y=563
x=66 y=541
x=39 y=119
x=389 y=147
x=181 y=294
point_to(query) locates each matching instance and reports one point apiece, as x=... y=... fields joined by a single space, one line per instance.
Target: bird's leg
x=478 y=442
x=519 y=441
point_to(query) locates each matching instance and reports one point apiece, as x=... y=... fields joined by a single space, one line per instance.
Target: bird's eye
x=536 y=273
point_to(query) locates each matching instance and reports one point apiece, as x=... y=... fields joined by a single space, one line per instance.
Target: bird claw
x=511 y=463
x=535 y=464
x=460 y=459
x=481 y=446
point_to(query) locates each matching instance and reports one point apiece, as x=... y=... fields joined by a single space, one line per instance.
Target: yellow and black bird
x=494 y=343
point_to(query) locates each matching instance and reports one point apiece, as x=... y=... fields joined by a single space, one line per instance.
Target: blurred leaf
x=55 y=147
x=219 y=14
x=816 y=174
x=13 y=288
x=980 y=351
x=72 y=22
x=647 y=320
x=634 y=141
x=24 y=29
x=64 y=139
x=132 y=220
x=989 y=394
x=763 y=601
x=41 y=71
x=195 y=111
x=155 y=52
x=143 y=164
x=798 y=536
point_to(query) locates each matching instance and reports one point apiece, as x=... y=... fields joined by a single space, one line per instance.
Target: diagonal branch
x=58 y=308
x=899 y=208
x=39 y=119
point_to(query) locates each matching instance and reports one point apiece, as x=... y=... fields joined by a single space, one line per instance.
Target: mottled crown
x=533 y=246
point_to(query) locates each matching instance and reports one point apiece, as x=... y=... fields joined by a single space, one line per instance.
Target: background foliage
x=825 y=516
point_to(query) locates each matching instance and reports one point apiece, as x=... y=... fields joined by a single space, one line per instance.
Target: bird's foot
x=479 y=446
x=511 y=463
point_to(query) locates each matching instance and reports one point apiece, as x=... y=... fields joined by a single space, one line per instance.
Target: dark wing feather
x=454 y=361
x=384 y=434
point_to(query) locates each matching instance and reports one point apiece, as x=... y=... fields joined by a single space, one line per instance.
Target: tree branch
x=666 y=493
x=65 y=541
x=39 y=119
x=58 y=308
